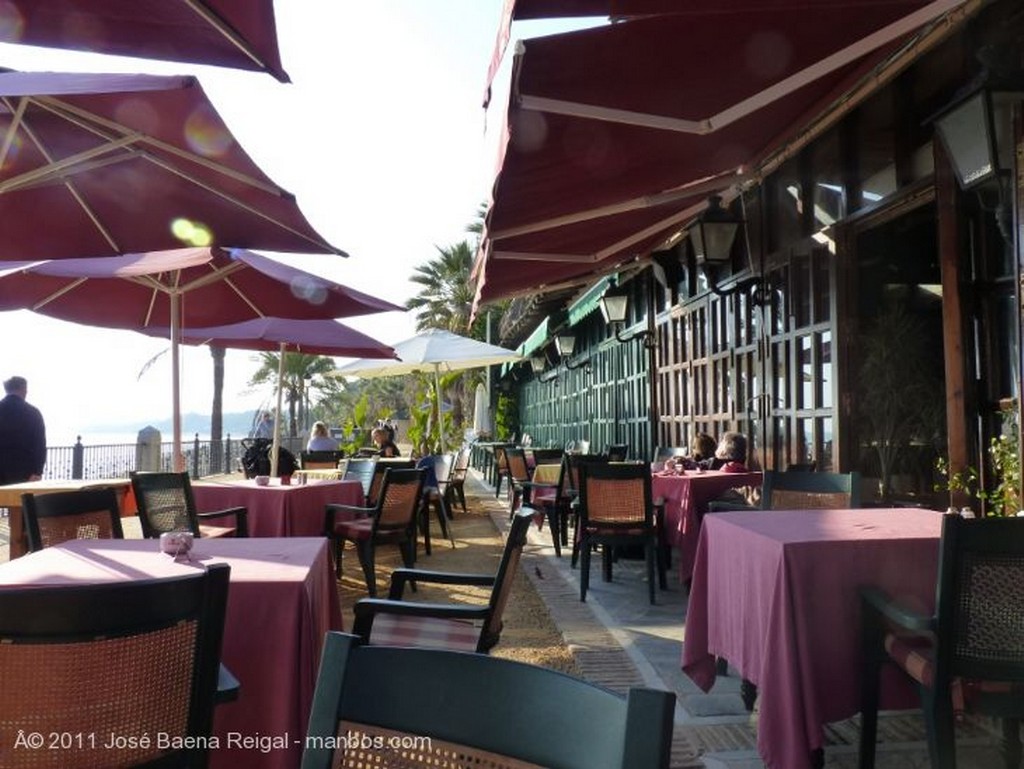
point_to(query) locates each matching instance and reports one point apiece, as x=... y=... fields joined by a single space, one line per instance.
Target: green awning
x=590 y=300
x=534 y=341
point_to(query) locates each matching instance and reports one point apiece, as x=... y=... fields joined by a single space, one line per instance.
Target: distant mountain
x=236 y=424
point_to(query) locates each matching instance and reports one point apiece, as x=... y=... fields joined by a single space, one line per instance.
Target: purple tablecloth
x=282 y=599
x=276 y=510
x=776 y=594
x=686 y=499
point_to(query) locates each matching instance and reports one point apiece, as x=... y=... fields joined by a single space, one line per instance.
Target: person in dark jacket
x=22 y=435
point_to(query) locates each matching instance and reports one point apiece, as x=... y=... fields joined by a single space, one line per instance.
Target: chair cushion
x=604 y=531
x=914 y=655
x=424 y=632
x=357 y=528
x=216 y=531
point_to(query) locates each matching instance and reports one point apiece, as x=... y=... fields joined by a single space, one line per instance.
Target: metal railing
x=118 y=460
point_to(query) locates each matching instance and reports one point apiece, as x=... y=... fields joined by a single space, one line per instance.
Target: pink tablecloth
x=281 y=602
x=776 y=594
x=276 y=510
x=686 y=499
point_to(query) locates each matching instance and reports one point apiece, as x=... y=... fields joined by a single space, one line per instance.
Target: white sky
x=380 y=136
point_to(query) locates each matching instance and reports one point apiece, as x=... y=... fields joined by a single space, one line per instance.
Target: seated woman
x=731 y=454
x=385 y=444
x=320 y=439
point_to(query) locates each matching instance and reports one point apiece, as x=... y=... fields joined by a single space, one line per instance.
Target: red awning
x=615 y=135
x=227 y=33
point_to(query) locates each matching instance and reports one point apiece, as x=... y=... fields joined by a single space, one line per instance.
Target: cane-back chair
x=123 y=658
x=59 y=516
x=458 y=709
x=809 y=491
x=392 y=520
x=380 y=466
x=554 y=501
x=166 y=503
x=616 y=509
x=966 y=657
x=518 y=475
x=461 y=627
x=320 y=460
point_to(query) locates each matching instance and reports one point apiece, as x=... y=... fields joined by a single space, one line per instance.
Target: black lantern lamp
x=713 y=236
x=615 y=309
x=714 y=233
x=976 y=128
x=565 y=343
x=538 y=363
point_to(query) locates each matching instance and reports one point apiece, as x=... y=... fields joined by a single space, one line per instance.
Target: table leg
x=16 y=524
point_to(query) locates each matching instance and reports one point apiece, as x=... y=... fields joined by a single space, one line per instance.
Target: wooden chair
x=392 y=520
x=141 y=655
x=361 y=469
x=166 y=503
x=615 y=509
x=459 y=627
x=809 y=491
x=458 y=709
x=320 y=460
x=969 y=654
x=57 y=517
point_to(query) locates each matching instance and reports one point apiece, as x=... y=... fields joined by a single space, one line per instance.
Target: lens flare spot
x=12 y=24
x=85 y=31
x=205 y=133
x=309 y=289
x=191 y=233
x=12 y=153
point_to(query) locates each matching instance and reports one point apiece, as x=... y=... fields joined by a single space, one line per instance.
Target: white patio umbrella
x=434 y=350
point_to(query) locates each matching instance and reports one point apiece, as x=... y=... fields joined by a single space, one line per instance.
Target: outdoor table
x=686 y=498
x=281 y=601
x=10 y=497
x=776 y=594
x=276 y=510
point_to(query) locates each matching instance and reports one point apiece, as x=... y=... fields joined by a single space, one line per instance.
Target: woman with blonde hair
x=320 y=439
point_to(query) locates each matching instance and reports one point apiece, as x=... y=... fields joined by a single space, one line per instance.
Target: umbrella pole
x=276 y=445
x=177 y=459
x=440 y=419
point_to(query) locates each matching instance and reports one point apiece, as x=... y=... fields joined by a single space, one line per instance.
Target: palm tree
x=217 y=411
x=298 y=369
x=445 y=298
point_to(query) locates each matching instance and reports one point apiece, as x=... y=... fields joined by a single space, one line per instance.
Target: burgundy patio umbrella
x=309 y=337
x=101 y=165
x=182 y=289
x=615 y=135
x=226 y=33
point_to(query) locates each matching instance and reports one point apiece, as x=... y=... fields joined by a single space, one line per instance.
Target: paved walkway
x=619 y=640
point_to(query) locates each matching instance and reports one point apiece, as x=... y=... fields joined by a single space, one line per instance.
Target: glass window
x=875 y=149
x=829 y=193
x=807 y=374
x=827 y=380
x=790 y=205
